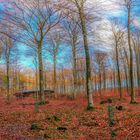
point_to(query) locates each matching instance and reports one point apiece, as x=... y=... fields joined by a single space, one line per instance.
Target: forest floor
x=65 y=119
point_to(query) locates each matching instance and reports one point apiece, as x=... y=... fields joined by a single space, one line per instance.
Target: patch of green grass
x=56 y=118
x=68 y=118
x=114 y=99
x=77 y=133
x=53 y=118
x=48 y=118
x=138 y=115
x=61 y=128
x=111 y=120
x=42 y=103
x=113 y=133
x=46 y=136
x=90 y=108
x=17 y=114
x=134 y=102
x=35 y=126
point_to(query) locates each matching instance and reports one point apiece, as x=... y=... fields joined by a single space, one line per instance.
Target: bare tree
x=101 y=58
x=129 y=5
x=136 y=44
x=80 y=9
x=117 y=34
x=71 y=31
x=33 y=20
x=7 y=44
x=54 y=49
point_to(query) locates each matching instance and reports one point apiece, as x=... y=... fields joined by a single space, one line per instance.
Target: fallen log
x=27 y=93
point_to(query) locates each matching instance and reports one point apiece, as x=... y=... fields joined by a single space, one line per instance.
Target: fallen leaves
x=65 y=119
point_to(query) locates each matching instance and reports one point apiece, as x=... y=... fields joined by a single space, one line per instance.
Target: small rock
x=103 y=102
x=109 y=100
x=61 y=128
x=120 y=108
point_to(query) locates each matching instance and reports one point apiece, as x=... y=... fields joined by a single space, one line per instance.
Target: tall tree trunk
x=138 y=69
x=138 y=73
x=74 y=68
x=126 y=68
x=95 y=87
x=88 y=71
x=126 y=79
x=45 y=80
x=111 y=82
x=136 y=49
x=131 y=59
x=36 y=76
x=7 y=74
x=118 y=71
x=100 y=83
x=114 y=79
x=104 y=77
x=54 y=72
x=41 y=81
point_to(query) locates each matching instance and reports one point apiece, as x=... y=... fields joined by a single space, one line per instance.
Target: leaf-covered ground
x=66 y=119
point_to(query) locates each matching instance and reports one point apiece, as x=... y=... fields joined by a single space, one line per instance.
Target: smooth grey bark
x=74 y=65
x=131 y=55
x=104 y=77
x=54 y=70
x=114 y=79
x=8 y=72
x=118 y=70
x=41 y=80
x=100 y=82
x=55 y=41
x=136 y=50
x=80 y=6
x=126 y=68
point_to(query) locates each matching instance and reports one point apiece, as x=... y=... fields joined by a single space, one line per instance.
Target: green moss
x=35 y=126
x=111 y=116
x=56 y=118
x=90 y=108
x=133 y=102
x=46 y=136
x=113 y=133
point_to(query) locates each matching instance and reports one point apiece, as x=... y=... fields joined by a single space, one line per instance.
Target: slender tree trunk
x=88 y=71
x=74 y=69
x=131 y=59
x=45 y=80
x=126 y=78
x=126 y=68
x=138 y=69
x=114 y=79
x=7 y=74
x=41 y=81
x=54 y=73
x=136 y=49
x=111 y=82
x=138 y=74
x=100 y=83
x=104 y=77
x=36 y=75
x=118 y=71
x=95 y=87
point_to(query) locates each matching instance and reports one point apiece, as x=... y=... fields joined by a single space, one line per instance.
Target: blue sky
x=112 y=10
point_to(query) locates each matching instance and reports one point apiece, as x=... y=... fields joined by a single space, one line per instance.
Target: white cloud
x=136 y=22
x=108 y=7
